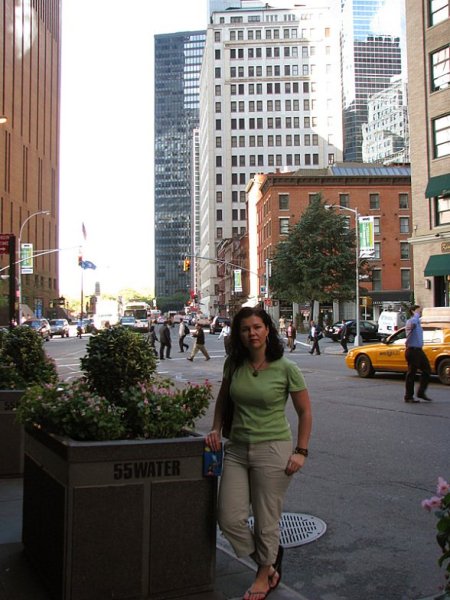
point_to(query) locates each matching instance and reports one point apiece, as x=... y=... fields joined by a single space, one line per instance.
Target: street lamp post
x=357 y=321
x=19 y=251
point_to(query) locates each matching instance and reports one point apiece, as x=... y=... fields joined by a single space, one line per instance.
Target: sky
x=106 y=158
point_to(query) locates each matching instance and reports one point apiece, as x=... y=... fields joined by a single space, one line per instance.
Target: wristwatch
x=302 y=451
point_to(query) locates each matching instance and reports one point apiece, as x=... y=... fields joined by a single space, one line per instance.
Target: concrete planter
x=123 y=519
x=11 y=435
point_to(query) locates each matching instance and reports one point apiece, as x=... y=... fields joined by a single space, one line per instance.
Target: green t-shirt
x=259 y=402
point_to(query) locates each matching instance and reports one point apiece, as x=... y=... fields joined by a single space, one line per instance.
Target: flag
x=83 y=230
x=87 y=264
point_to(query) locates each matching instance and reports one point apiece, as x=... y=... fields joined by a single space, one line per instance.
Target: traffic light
x=186 y=264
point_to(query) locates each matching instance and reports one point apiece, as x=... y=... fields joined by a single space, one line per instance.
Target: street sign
x=262 y=289
x=4 y=242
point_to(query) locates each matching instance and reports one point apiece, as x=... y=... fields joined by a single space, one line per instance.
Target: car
x=217 y=324
x=41 y=326
x=367 y=329
x=89 y=326
x=59 y=327
x=390 y=355
x=129 y=322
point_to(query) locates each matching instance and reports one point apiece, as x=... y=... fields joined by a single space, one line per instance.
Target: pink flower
x=442 y=487
x=430 y=503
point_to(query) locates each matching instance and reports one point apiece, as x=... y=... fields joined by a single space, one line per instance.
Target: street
x=373 y=458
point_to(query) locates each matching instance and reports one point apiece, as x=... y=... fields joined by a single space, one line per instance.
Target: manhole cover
x=297 y=529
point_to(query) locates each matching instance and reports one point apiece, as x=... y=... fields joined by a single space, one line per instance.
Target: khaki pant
x=202 y=349
x=254 y=475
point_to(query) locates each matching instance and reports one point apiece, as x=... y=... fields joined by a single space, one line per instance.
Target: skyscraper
x=30 y=41
x=178 y=59
x=270 y=101
x=370 y=59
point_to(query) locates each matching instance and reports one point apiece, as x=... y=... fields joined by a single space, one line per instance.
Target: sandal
x=256 y=595
x=277 y=566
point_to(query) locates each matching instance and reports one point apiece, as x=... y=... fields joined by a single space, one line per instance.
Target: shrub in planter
x=23 y=360
x=119 y=396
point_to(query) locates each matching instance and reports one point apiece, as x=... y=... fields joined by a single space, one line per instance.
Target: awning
x=438 y=264
x=438 y=186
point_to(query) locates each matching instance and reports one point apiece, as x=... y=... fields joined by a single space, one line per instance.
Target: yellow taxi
x=390 y=355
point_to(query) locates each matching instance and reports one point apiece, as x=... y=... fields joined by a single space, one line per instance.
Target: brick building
x=382 y=192
x=30 y=38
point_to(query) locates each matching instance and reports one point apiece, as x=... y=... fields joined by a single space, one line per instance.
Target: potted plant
x=115 y=502
x=23 y=362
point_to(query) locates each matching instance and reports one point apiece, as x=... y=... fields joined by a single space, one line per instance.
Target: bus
x=140 y=311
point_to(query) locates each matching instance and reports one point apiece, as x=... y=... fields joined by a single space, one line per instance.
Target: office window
x=315 y=159
x=234 y=161
x=242 y=178
x=404 y=224
x=377 y=252
x=217 y=36
x=376 y=226
x=234 y=214
x=442 y=206
x=403 y=200
x=242 y=214
x=242 y=196
x=242 y=141
x=376 y=280
x=315 y=139
x=235 y=231
x=218 y=178
x=217 y=72
x=441 y=136
x=284 y=226
x=404 y=250
x=283 y=201
x=218 y=124
x=218 y=161
x=218 y=142
x=234 y=196
x=405 y=275
x=218 y=90
x=219 y=233
x=217 y=54
x=219 y=214
x=242 y=161
x=344 y=200
x=260 y=160
x=260 y=141
x=374 y=201
x=439 y=11
x=440 y=69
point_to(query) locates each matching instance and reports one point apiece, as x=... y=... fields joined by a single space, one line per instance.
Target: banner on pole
x=366 y=237
x=238 y=280
x=26 y=257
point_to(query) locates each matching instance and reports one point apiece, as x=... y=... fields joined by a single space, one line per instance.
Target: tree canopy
x=316 y=261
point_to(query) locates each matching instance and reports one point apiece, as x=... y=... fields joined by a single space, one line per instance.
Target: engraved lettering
x=147 y=469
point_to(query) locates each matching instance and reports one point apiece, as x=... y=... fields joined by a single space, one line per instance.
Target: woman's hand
x=214 y=440
x=295 y=463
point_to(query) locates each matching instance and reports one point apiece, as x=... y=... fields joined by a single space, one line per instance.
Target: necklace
x=257 y=368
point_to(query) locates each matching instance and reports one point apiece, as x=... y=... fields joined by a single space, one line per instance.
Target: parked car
x=42 y=326
x=89 y=326
x=59 y=327
x=217 y=324
x=367 y=330
x=390 y=354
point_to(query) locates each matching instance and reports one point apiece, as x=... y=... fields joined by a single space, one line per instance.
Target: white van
x=389 y=322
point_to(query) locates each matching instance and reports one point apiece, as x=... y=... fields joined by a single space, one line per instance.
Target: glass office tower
x=178 y=59
x=369 y=60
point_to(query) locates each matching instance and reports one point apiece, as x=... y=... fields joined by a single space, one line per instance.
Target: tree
x=317 y=259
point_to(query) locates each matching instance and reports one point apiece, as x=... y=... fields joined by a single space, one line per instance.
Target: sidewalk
x=19 y=582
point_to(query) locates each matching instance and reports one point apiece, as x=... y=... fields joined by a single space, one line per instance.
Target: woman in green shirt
x=259 y=455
